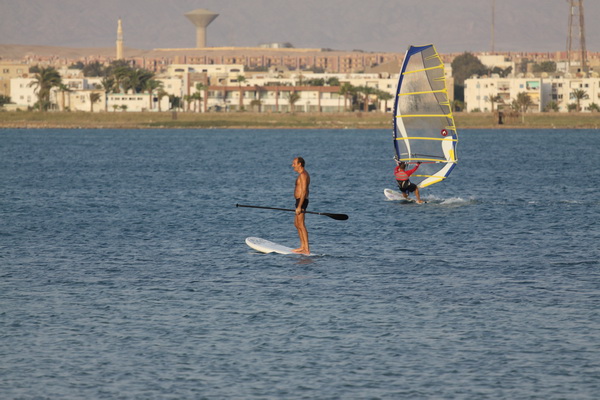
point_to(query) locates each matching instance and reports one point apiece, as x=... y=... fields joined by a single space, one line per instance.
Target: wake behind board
x=266 y=246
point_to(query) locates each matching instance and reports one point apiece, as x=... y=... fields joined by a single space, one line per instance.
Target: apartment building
x=8 y=72
x=73 y=95
x=561 y=91
x=488 y=94
x=251 y=58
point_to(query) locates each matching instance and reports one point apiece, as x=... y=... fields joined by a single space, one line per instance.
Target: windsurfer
x=405 y=185
x=301 y=195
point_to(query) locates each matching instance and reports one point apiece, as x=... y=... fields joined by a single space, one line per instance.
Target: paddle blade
x=339 y=217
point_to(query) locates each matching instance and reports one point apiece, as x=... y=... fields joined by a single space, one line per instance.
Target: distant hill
x=16 y=52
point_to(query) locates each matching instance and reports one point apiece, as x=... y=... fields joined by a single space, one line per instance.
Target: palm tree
x=293 y=99
x=108 y=84
x=93 y=69
x=256 y=103
x=261 y=93
x=175 y=102
x=94 y=98
x=197 y=97
x=240 y=80
x=277 y=99
x=202 y=87
x=161 y=93
x=188 y=99
x=385 y=96
x=523 y=102
x=579 y=94
x=345 y=90
x=495 y=99
x=63 y=89
x=121 y=76
x=135 y=79
x=44 y=80
x=151 y=85
x=319 y=94
x=366 y=91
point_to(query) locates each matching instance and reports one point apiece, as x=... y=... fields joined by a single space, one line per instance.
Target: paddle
x=339 y=217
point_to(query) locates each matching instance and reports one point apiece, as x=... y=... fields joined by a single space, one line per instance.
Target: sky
x=369 y=25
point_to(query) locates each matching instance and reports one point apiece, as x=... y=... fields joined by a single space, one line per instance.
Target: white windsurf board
x=395 y=195
x=266 y=246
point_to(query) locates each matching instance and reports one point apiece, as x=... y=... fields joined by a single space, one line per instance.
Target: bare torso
x=302 y=184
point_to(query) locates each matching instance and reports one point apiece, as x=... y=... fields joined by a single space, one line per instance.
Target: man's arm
x=410 y=171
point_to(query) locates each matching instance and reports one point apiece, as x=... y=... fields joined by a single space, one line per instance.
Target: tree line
x=118 y=77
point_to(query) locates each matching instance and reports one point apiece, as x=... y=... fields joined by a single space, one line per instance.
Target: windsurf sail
x=424 y=128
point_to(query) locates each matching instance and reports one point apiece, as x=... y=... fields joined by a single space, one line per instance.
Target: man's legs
x=302 y=233
x=417 y=195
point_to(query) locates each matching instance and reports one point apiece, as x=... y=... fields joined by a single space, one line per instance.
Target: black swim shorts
x=304 y=204
x=406 y=186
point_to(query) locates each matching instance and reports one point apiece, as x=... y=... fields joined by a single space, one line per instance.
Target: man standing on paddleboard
x=301 y=195
x=405 y=185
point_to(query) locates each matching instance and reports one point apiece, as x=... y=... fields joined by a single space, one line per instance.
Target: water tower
x=201 y=18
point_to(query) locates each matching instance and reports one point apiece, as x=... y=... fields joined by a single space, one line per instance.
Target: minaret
x=119 y=41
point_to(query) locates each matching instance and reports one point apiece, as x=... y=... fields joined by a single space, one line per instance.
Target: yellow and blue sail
x=424 y=128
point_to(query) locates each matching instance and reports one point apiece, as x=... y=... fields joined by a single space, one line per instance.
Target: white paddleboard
x=266 y=246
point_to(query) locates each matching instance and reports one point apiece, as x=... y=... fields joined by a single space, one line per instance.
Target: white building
x=141 y=102
x=479 y=92
x=313 y=98
x=75 y=96
x=224 y=70
x=22 y=94
x=562 y=92
x=217 y=74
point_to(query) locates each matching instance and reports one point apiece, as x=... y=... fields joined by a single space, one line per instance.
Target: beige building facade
x=8 y=72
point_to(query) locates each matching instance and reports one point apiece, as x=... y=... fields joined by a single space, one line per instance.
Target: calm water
x=124 y=273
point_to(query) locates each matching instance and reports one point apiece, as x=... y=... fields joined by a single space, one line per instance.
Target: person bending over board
x=404 y=183
x=301 y=195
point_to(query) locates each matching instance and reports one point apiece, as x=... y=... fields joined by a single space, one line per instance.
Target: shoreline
x=251 y=120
